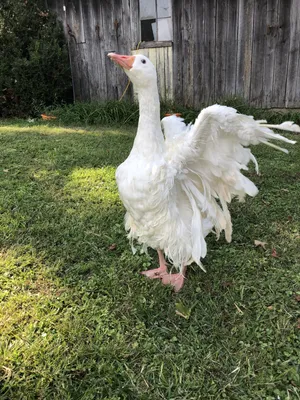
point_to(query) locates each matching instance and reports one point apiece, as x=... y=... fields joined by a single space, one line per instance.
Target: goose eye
x=143 y=61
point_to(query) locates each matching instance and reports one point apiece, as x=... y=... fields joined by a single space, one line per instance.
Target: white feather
x=285 y=126
x=176 y=189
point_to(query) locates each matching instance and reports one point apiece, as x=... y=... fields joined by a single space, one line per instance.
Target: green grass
x=77 y=321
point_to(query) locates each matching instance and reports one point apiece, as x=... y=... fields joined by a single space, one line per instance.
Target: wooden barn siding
x=245 y=48
x=93 y=28
x=222 y=48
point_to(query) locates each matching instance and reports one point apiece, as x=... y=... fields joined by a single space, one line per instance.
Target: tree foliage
x=34 y=63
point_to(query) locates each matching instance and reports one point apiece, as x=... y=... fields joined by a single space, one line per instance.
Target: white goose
x=175 y=187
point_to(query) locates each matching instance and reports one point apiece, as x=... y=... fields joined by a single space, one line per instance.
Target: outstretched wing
x=208 y=158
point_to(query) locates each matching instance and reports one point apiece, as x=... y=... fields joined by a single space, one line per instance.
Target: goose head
x=138 y=68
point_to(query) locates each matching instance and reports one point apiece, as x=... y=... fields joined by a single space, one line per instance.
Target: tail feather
x=285 y=126
x=253 y=159
x=274 y=146
x=276 y=136
x=268 y=134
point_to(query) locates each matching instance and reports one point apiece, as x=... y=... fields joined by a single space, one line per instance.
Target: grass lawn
x=77 y=321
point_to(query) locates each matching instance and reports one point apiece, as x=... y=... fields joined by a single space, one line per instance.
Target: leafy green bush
x=97 y=113
x=109 y=112
x=127 y=113
x=34 y=63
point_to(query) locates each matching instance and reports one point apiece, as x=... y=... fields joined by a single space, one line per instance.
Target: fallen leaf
x=112 y=247
x=5 y=170
x=183 y=311
x=297 y=297
x=226 y=284
x=259 y=243
x=285 y=190
x=270 y=307
x=274 y=253
x=47 y=117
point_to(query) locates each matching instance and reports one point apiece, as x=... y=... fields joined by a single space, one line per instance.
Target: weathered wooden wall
x=221 y=48
x=93 y=29
x=246 y=48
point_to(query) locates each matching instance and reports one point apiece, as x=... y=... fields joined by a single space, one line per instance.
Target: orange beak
x=124 y=61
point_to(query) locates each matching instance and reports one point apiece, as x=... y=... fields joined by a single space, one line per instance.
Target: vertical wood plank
x=83 y=51
x=231 y=48
x=178 y=53
x=292 y=96
x=160 y=62
x=169 y=73
x=258 y=53
x=199 y=46
x=97 y=62
x=270 y=48
x=188 y=53
x=110 y=23
x=248 y=42
x=221 y=46
x=210 y=62
x=133 y=11
x=75 y=36
x=281 y=54
x=89 y=51
x=239 y=83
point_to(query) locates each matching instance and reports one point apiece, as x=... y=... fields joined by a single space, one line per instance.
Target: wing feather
x=208 y=158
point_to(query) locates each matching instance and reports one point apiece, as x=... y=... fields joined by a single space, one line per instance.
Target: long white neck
x=149 y=139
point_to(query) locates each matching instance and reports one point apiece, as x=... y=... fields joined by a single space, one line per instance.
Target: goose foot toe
x=156 y=272
x=175 y=280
